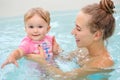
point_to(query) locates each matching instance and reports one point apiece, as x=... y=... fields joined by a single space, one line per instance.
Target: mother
x=94 y=24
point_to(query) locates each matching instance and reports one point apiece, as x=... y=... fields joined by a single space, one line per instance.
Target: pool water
x=62 y=22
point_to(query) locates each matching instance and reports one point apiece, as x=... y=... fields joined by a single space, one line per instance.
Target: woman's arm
x=89 y=67
x=58 y=74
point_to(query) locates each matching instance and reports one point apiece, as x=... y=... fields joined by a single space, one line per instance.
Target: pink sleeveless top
x=30 y=46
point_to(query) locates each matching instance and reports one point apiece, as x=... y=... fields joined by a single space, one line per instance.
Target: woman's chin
x=79 y=46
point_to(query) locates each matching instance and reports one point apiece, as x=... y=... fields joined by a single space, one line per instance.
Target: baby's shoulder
x=26 y=40
x=49 y=36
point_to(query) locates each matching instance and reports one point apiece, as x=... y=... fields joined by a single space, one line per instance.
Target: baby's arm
x=14 y=56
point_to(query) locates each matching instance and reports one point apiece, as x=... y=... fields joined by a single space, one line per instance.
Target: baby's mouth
x=36 y=35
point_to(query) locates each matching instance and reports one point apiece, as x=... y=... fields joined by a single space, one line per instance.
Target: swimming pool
x=12 y=31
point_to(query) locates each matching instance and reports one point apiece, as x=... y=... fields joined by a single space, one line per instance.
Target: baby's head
x=37 y=23
x=39 y=11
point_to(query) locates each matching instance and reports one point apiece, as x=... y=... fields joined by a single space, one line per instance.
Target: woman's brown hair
x=102 y=17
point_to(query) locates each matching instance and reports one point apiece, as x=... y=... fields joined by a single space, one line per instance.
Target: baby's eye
x=40 y=26
x=31 y=26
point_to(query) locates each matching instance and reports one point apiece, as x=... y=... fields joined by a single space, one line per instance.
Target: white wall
x=19 y=7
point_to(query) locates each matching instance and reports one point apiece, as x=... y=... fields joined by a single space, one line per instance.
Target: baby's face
x=36 y=28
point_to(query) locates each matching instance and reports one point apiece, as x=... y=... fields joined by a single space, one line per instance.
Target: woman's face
x=81 y=32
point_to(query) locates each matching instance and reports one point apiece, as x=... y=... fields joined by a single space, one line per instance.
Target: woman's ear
x=98 y=35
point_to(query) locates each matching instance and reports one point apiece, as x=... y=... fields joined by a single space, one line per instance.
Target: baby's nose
x=35 y=30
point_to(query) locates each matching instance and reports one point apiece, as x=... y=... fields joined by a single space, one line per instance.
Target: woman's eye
x=40 y=26
x=79 y=29
x=31 y=26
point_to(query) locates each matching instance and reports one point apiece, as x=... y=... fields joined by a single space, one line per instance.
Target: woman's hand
x=56 y=48
x=37 y=57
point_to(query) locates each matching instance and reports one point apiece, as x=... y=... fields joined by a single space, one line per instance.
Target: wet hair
x=39 y=11
x=101 y=17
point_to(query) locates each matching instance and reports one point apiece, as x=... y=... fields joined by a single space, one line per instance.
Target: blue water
x=62 y=22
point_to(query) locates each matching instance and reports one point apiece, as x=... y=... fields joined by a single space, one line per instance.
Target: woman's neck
x=97 y=49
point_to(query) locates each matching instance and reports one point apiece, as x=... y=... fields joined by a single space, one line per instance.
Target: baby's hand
x=10 y=59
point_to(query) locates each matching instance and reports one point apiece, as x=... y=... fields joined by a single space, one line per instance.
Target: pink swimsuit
x=30 y=46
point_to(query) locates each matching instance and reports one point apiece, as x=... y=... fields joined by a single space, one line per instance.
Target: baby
x=37 y=25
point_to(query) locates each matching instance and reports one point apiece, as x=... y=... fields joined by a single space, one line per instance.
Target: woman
x=94 y=24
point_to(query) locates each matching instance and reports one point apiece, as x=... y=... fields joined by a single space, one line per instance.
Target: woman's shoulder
x=100 y=62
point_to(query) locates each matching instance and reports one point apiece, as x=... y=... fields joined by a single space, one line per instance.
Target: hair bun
x=107 y=5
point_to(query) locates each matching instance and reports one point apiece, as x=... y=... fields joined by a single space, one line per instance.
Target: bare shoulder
x=100 y=62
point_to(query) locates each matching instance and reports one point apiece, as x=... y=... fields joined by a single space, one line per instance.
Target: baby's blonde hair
x=39 y=11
